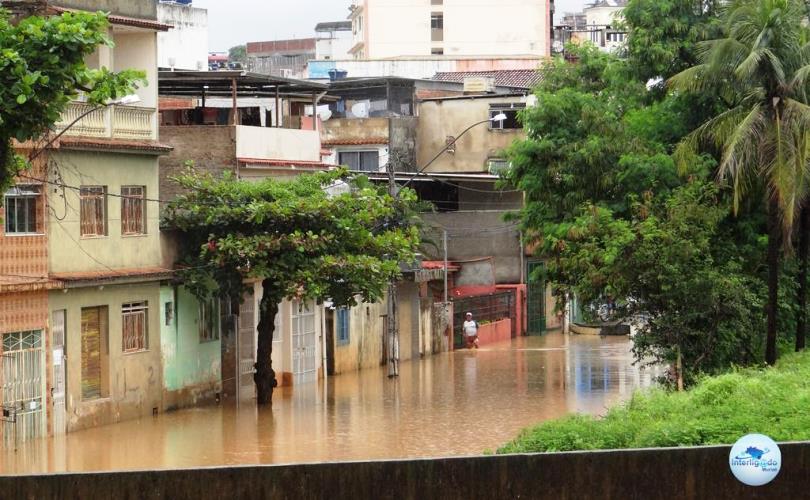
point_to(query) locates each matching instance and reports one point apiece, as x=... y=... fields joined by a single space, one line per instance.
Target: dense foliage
x=295 y=236
x=718 y=410
x=627 y=203
x=42 y=67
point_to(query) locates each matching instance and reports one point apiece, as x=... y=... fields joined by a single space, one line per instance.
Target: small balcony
x=110 y=122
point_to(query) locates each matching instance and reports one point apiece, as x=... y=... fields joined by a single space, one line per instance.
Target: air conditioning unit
x=479 y=85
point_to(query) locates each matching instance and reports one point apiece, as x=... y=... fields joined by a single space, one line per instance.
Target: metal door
x=59 y=373
x=305 y=362
x=536 y=298
x=247 y=348
x=23 y=368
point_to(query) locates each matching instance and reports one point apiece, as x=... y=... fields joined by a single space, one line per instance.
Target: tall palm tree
x=762 y=69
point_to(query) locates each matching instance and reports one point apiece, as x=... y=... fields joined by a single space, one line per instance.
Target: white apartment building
x=384 y=29
x=333 y=40
x=602 y=18
x=185 y=46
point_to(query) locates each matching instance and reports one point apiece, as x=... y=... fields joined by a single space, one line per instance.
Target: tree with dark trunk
x=804 y=247
x=762 y=69
x=320 y=236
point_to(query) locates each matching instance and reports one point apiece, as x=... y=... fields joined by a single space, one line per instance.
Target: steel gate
x=59 y=373
x=305 y=361
x=23 y=386
x=536 y=298
x=247 y=347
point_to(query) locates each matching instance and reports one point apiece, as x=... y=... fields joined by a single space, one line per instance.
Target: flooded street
x=459 y=403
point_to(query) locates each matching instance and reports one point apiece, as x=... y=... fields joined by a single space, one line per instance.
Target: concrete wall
x=278 y=144
x=393 y=28
x=138 y=50
x=403 y=144
x=417 y=67
x=68 y=250
x=366 y=330
x=145 y=9
x=440 y=119
x=186 y=45
x=211 y=148
x=683 y=473
x=135 y=380
x=480 y=234
x=191 y=369
x=350 y=130
x=333 y=45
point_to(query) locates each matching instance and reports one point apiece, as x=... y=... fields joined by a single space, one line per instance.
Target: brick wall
x=211 y=148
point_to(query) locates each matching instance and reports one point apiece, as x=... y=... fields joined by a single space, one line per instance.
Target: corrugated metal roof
x=514 y=78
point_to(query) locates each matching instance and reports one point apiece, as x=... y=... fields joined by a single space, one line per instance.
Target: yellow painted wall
x=136 y=379
x=68 y=251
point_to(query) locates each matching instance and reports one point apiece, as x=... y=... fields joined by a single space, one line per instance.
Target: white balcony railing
x=109 y=122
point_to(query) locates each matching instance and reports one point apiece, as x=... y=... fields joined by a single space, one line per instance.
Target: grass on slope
x=718 y=410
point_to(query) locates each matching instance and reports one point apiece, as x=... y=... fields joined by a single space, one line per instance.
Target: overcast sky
x=234 y=22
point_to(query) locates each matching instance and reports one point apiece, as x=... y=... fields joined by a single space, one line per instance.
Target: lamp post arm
x=444 y=149
x=62 y=132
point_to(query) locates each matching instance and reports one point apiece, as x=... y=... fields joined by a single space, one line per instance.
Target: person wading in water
x=471 y=332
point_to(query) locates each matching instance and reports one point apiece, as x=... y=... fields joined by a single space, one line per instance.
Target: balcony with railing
x=109 y=122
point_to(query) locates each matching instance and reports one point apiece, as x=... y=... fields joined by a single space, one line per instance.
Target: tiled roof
x=439 y=264
x=145 y=273
x=126 y=21
x=284 y=163
x=113 y=145
x=514 y=78
x=355 y=142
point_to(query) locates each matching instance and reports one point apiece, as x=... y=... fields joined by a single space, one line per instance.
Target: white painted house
x=185 y=46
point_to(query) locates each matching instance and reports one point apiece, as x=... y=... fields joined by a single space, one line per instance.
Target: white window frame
x=30 y=193
x=130 y=311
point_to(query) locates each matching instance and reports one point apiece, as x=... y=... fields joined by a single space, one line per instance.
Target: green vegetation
x=717 y=410
x=300 y=240
x=671 y=178
x=42 y=68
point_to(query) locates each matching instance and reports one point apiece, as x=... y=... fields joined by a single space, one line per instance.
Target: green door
x=536 y=298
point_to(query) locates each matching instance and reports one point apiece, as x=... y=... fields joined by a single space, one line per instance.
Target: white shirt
x=470 y=328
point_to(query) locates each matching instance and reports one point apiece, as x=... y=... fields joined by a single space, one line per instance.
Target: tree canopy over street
x=298 y=239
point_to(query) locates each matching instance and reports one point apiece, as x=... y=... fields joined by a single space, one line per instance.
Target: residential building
x=80 y=292
x=250 y=125
x=285 y=58
x=603 y=18
x=462 y=185
x=394 y=28
x=497 y=81
x=185 y=46
x=372 y=121
x=333 y=40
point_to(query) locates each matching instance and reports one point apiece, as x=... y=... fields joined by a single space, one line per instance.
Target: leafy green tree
x=301 y=241
x=663 y=34
x=42 y=67
x=761 y=67
x=238 y=54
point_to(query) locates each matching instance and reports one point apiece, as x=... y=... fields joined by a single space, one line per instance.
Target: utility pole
x=444 y=241
x=393 y=323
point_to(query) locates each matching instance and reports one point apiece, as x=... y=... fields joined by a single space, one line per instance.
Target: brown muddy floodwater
x=459 y=403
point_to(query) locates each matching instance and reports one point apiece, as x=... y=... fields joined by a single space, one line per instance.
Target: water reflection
x=453 y=404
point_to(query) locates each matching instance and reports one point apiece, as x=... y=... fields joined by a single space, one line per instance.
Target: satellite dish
x=360 y=110
x=325 y=115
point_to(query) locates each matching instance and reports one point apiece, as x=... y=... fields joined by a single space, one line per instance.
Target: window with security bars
x=134 y=327
x=22 y=341
x=342 y=325
x=208 y=320
x=22 y=210
x=93 y=212
x=133 y=210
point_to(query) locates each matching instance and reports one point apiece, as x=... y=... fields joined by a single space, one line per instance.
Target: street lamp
x=500 y=117
x=125 y=101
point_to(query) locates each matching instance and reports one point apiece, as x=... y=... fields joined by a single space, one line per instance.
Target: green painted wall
x=67 y=249
x=191 y=369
